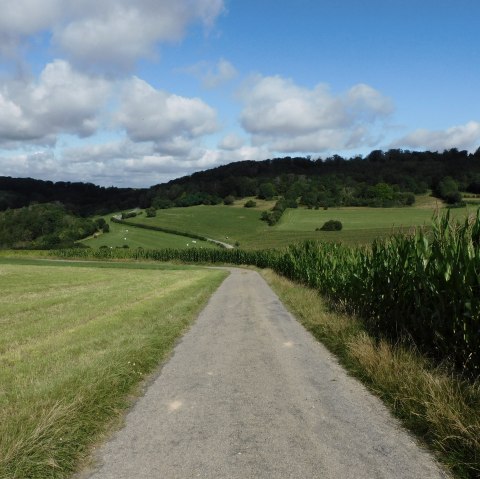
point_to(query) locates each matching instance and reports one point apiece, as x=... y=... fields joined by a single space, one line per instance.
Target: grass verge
x=75 y=343
x=441 y=409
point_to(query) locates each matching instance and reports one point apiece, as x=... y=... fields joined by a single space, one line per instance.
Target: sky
x=135 y=93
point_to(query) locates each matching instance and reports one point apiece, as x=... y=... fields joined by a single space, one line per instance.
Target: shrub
x=151 y=212
x=250 y=204
x=228 y=200
x=331 y=225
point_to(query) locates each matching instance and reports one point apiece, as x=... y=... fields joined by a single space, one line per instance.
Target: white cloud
x=20 y=18
x=463 y=137
x=148 y=114
x=38 y=164
x=290 y=118
x=107 y=33
x=61 y=101
x=231 y=142
x=213 y=75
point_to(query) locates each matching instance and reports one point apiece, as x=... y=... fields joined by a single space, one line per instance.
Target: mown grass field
x=238 y=224
x=75 y=341
x=222 y=223
x=121 y=235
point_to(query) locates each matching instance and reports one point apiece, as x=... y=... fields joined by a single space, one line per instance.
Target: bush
x=151 y=212
x=228 y=200
x=250 y=204
x=331 y=225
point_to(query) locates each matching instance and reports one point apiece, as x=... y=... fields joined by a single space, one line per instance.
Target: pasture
x=76 y=339
x=121 y=235
x=237 y=224
x=222 y=223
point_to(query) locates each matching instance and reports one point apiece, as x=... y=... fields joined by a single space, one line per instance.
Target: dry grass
x=442 y=409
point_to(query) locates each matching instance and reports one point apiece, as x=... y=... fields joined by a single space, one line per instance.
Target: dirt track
x=250 y=394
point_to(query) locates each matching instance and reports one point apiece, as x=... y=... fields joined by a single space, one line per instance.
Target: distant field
x=355 y=219
x=121 y=235
x=222 y=223
x=75 y=339
x=237 y=224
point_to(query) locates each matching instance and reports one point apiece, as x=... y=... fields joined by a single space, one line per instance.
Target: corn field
x=424 y=287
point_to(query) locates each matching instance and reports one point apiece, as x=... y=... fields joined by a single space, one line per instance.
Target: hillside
x=334 y=181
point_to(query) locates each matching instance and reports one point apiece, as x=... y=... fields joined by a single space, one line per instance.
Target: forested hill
x=334 y=180
x=381 y=179
x=80 y=198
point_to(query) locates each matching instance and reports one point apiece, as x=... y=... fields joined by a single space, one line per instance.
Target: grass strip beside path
x=441 y=409
x=75 y=342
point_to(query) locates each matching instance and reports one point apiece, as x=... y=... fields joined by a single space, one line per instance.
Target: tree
x=266 y=191
x=151 y=212
x=228 y=200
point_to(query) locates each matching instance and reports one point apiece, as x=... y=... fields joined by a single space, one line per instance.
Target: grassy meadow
x=223 y=223
x=76 y=339
x=235 y=223
x=121 y=235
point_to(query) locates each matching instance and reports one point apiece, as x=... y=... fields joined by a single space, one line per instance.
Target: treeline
x=82 y=199
x=45 y=226
x=382 y=179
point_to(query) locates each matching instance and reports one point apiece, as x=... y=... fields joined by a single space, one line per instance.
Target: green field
x=222 y=223
x=75 y=340
x=233 y=224
x=121 y=235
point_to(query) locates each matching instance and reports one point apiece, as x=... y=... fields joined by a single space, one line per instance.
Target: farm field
x=222 y=223
x=75 y=340
x=237 y=224
x=355 y=219
x=121 y=235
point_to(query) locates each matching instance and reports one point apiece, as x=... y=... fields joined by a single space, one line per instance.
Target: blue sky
x=136 y=93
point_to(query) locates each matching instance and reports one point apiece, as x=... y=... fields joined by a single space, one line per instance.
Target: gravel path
x=250 y=394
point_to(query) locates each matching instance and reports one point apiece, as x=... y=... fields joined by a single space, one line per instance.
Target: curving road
x=250 y=394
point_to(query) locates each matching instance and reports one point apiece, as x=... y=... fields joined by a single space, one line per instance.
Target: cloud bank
x=291 y=118
x=463 y=137
x=63 y=100
x=107 y=34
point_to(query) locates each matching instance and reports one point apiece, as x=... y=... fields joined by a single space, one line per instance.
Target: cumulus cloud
x=463 y=137
x=127 y=163
x=107 y=33
x=290 y=118
x=148 y=114
x=231 y=142
x=61 y=101
x=213 y=75
x=20 y=18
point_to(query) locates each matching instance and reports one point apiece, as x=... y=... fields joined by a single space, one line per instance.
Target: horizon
x=137 y=95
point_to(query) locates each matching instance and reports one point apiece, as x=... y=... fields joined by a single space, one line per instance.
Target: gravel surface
x=249 y=393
